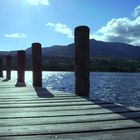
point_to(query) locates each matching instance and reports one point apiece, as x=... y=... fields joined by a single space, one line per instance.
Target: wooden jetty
x=38 y=114
x=35 y=113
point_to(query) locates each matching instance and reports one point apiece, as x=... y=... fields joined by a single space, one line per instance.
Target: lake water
x=116 y=87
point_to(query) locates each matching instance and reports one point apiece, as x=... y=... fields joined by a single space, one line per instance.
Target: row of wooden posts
x=82 y=82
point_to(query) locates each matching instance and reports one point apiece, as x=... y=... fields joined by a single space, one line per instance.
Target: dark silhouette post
x=8 y=68
x=21 y=69
x=1 y=67
x=82 y=81
x=36 y=62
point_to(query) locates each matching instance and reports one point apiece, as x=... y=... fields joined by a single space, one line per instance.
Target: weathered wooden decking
x=37 y=114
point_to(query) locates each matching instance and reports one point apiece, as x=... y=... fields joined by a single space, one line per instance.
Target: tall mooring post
x=82 y=79
x=8 y=67
x=21 y=69
x=37 y=67
x=1 y=67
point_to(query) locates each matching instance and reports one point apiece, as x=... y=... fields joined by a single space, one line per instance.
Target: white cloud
x=123 y=30
x=16 y=35
x=136 y=12
x=38 y=2
x=61 y=28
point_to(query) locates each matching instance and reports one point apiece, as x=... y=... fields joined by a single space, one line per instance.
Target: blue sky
x=52 y=22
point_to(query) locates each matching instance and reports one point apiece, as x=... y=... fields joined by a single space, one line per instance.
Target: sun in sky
x=37 y=2
x=52 y=22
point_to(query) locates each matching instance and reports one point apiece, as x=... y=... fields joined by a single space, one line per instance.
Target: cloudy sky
x=52 y=22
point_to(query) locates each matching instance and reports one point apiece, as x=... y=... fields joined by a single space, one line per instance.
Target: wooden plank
x=132 y=134
x=68 y=101
x=43 y=104
x=69 y=127
x=68 y=119
x=41 y=101
x=28 y=94
x=102 y=111
x=56 y=99
x=33 y=96
x=30 y=90
x=3 y=98
x=48 y=104
x=59 y=108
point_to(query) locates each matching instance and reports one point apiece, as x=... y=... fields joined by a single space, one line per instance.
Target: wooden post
x=82 y=79
x=1 y=67
x=36 y=62
x=8 y=68
x=21 y=69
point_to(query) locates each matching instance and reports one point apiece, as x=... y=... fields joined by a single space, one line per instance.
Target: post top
x=36 y=44
x=82 y=27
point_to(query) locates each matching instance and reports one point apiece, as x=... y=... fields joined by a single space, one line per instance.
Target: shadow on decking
x=43 y=92
x=121 y=110
x=5 y=80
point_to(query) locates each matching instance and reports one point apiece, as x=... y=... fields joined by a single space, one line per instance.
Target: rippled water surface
x=117 y=87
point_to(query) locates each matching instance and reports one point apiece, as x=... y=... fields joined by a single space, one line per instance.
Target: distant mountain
x=8 y=53
x=97 y=49
x=116 y=50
